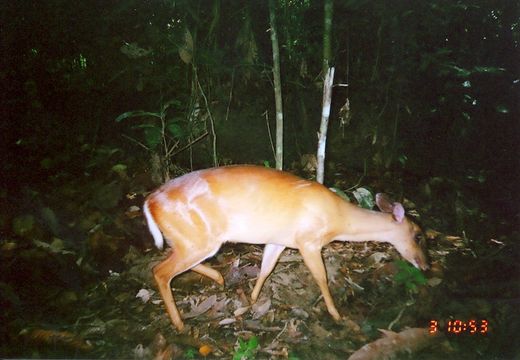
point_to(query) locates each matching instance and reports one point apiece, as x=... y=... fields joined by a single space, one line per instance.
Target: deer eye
x=419 y=237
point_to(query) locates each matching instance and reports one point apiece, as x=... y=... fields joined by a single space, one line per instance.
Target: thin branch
x=266 y=113
x=136 y=141
x=191 y=143
x=230 y=95
x=211 y=121
x=391 y=325
x=171 y=149
x=163 y=136
x=360 y=178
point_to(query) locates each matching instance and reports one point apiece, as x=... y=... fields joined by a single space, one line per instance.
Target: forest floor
x=64 y=296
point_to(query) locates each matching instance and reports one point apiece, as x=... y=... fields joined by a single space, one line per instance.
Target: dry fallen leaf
x=144 y=295
x=292 y=329
x=285 y=278
x=140 y=352
x=299 y=313
x=320 y=332
x=241 y=310
x=201 y=308
x=434 y=282
x=378 y=257
x=260 y=309
x=227 y=321
x=237 y=274
x=133 y=211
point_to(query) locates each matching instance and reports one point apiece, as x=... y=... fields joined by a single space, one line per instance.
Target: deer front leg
x=312 y=257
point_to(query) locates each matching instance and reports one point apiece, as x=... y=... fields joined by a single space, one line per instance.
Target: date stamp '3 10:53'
x=460 y=327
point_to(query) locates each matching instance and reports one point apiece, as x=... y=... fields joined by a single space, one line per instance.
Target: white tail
x=200 y=211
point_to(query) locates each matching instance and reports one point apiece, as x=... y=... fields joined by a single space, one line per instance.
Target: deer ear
x=398 y=212
x=385 y=205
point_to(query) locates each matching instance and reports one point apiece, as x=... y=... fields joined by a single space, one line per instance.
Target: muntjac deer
x=198 y=212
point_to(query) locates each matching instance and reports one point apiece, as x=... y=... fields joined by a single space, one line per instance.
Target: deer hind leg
x=270 y=258
x=176 y=263
x=209 y=272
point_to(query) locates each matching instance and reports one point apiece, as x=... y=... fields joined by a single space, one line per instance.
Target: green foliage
x=162 y=135
x=119 y=168
x=462 y=72
x=402 y=159
x=246 y=349
x=190 y=353
x=161 y=128
x=502 y=109
x=102 y=156
x=23 y=224
x=340 y=193
x=364 y=198
x=409 y=276
x=293 y=356
x=56 y=246
x=152 y=134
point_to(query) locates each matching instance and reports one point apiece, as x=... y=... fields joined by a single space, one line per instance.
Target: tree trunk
x=325 y=114
x=327 y=26
x=277 y=87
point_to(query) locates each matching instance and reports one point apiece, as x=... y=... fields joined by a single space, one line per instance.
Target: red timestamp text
x=458 y=327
